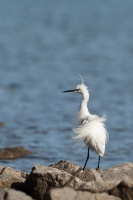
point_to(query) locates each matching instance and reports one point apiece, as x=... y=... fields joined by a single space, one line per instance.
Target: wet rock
x=2 y=124
x=69 y=193
x=11 y=194
x=42 y=179
x=13 y=153
x=10 y=178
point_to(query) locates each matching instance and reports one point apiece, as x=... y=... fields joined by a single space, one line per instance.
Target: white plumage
x=91 y=129
x=92 y=133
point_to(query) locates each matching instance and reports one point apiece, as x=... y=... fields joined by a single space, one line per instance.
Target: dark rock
x=11 y=194
x=42 y=179
x=2 y=124
x=13 y=153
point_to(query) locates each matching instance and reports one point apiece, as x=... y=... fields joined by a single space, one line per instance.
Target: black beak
x=75 y=90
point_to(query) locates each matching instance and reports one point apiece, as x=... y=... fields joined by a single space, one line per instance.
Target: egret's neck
x=85 y=97
x=83 y=104
x=83 y=110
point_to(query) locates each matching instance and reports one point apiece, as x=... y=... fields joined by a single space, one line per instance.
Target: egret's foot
x=83 y=169
x=97 y=169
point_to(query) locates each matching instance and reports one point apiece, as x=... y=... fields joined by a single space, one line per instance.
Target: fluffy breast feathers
x=93 y=133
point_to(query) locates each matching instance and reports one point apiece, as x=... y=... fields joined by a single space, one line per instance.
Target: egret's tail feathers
x=107 y=137
x=104 y=119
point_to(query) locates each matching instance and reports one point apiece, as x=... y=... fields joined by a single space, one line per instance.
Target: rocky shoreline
x=65 y=180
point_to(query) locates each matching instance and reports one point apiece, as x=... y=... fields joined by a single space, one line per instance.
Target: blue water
x=44 y=46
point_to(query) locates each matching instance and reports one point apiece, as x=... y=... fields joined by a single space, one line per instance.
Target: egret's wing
x=93 y=134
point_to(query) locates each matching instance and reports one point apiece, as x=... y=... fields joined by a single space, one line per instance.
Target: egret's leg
x=86 y=160
x=98 y=163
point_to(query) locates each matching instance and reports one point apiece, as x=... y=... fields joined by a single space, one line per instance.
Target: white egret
x=91 y=129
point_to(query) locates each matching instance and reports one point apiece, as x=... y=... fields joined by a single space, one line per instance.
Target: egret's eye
x=77 y=90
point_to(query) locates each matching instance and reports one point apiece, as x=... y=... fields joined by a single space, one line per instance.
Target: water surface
x=43 y=47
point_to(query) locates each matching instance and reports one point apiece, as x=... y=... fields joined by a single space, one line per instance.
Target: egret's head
x=81 y=88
